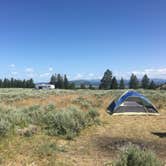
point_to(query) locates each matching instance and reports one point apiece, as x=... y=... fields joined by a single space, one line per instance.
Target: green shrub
x=33 y=114
x=63 y=123
x=18 y=118
x=82 y=102
x=50 y=107
x=68 y=122
x=78 y=116
x=93 y=113
x=49 y=149
x=4 y=127
x=24 y=116
x=134 y=156
x=92 y=117
x=1 y=160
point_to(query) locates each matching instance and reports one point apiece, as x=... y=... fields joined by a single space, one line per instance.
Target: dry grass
x=96 y=145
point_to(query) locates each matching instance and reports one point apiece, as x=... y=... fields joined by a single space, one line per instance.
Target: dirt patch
x=109 y=145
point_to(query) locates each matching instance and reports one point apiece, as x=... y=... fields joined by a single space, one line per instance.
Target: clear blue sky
x=82 y=37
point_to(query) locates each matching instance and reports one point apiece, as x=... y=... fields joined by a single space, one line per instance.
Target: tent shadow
x=159 y=134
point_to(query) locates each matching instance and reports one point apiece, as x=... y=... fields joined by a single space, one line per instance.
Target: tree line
x=110 y=82
x=16 y=83
x=61 y=82
x=107 y=82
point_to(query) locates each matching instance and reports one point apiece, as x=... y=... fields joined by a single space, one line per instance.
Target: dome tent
x=131 y=103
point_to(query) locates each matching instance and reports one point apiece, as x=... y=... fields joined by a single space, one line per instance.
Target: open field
x=31 y=140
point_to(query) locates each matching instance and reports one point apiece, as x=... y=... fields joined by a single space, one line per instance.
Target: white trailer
x=44 y=86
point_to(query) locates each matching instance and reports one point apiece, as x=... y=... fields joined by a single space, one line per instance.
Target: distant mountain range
x=86 y=82
x=159 y=81
x=96 y=82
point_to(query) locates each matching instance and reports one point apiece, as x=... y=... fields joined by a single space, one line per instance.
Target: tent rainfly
x=132 y=103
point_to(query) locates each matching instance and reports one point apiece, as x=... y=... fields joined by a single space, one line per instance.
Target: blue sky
x=82 y=38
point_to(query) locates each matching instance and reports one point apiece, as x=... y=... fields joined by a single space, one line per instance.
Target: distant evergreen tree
x=24 y=83
x=18 y=84
x=32 y=85
x=72 y=85
x=114 y=83
x=60 y=82
x=66 y=82
x=134 y=83
x=106 y=80
x=91 y=86
x=27 y=83
x=1 y=82
x=12 y=83
x=82 y=86
x=15 y=83
x=5 y=82
x=145 y=82
x=152 y=85
x=53 y=80
x=8 y=83
x=121 y=84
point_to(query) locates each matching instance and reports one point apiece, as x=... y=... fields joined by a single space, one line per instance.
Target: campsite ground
x=96 y=145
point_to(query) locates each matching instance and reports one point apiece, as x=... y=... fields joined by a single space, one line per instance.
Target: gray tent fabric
x=131 y=103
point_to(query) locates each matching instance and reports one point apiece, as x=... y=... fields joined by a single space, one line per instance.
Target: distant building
x=44 y=86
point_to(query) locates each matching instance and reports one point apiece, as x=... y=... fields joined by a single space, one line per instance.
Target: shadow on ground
x=110 y=146
x=159 y=134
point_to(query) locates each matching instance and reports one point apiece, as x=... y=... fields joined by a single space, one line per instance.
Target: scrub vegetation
x=71 y=127
x=133 y=155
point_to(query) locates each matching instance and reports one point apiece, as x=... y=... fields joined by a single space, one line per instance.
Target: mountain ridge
x=96 y=82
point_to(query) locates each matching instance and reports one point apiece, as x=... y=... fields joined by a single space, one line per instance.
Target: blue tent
x=132 y=102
